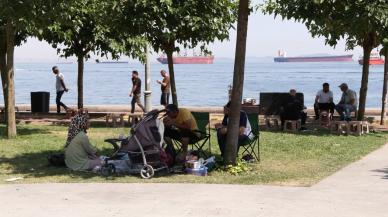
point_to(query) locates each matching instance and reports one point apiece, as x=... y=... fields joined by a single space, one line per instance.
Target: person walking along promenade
x=60 y=88
x=136 y=92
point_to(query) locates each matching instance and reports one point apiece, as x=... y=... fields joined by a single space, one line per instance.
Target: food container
x=197 y=172
x=193 y=164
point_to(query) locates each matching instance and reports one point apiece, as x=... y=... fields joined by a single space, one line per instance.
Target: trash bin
x=40 y=102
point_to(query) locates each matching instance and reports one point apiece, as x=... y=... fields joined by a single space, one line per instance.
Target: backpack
x=56 y=160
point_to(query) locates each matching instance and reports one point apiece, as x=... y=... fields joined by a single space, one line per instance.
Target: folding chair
x=248 y=146
x=202 y=119
x=203 y=124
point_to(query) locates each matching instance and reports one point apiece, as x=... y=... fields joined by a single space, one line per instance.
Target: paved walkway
x=360 y=189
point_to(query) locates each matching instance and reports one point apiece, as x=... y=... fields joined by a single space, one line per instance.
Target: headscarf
x=77 y=124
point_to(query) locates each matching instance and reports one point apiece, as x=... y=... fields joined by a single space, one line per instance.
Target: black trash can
x=40 y=102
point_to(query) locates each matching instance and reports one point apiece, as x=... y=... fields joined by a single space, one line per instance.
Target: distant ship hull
x=372 y=61
x=188 y=60
x=342 y=58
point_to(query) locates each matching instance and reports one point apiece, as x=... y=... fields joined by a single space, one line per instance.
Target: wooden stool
x=365 y=127
x=272 y=123
x=133 y=119
x=359 y=128
x=340 y=127
x=112 y=119
x=291 y=125
x=324 y=118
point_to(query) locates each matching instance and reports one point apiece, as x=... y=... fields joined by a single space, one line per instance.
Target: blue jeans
x=345 y=110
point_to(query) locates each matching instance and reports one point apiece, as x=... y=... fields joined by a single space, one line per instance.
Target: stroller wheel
x=147 y=172
x=108 y=170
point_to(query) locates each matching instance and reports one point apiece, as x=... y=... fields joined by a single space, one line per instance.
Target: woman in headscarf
x=79 y=153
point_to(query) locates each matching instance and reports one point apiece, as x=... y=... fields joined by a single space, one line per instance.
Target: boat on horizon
x=188 y=60
x=111 y=62
x=282 y=57
x=375 y=59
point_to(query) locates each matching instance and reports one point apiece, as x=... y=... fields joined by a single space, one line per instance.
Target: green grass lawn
x=286 y=159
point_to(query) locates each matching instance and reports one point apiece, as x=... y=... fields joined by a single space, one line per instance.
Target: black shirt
x=137 y=82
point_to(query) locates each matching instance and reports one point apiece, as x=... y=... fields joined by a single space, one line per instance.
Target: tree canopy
x=357 y=22
x=168 y=24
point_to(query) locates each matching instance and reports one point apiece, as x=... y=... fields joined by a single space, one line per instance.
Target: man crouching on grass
x=180 y=125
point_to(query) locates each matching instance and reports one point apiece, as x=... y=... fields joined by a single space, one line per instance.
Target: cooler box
x=40 y=102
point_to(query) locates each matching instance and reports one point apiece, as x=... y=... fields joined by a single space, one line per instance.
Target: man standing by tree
x=136 y=92
x=60 y=87
x=165 y=87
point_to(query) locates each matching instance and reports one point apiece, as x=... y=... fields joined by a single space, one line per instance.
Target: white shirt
x=58 y=84
x=324 y=97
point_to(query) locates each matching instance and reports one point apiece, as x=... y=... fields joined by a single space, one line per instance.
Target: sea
x=197 y=85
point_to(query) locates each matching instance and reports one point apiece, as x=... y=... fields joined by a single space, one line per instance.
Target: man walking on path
x=136 y=92
x=165 y=87
x=60 y=88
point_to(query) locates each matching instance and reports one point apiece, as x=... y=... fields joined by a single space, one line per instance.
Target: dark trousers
x=178 y=134
x=222 y=141
x=136 y=100
x=323 y=107
x=164 y=98
x=58 y=101
x=293 y=117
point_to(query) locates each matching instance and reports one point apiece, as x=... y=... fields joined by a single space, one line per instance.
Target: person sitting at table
x=324 y=101
x=244 y=131
x=348 y=102
x=292 y=109
x=180 y=125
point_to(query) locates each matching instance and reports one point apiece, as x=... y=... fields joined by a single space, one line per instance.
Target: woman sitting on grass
x=79 y=153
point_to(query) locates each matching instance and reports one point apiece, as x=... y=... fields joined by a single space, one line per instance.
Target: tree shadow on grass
x=23 y=131
x=384 y=172
x=35 y=165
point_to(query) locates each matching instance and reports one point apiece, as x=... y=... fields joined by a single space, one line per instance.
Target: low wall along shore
x=127 y=109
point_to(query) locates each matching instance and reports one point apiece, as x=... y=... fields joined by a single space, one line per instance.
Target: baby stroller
x=141 y=152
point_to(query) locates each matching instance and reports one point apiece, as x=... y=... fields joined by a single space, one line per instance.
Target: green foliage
x=240 y=168
x=334 y=20
x=164 y=22
x=81 y=27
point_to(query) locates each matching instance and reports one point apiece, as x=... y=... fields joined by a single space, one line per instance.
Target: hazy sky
x=265 y=36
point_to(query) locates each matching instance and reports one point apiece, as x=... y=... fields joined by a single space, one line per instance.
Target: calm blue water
x=197 y=85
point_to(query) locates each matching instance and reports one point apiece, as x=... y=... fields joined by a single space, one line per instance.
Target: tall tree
x=168 y=24
x=385 y=87
x=82 y=27
x=352 y=20
x=18 y=20
x=238 y=84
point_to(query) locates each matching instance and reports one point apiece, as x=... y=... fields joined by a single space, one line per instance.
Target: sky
x=266 y=36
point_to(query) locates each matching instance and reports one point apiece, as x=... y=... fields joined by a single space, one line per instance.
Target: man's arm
x=316 y=99
x=63 y=83
x=185 y=125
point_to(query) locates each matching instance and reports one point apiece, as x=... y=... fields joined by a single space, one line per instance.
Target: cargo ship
x=282 y=57
x=188 y=60
x=375 y=59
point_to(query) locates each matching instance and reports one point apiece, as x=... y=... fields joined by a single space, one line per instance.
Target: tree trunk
x=364 y=81
x=9 y=102
x=169 y=52
x=384 y=97
x=3 y=68
x=238 y=84
x=80 y=82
